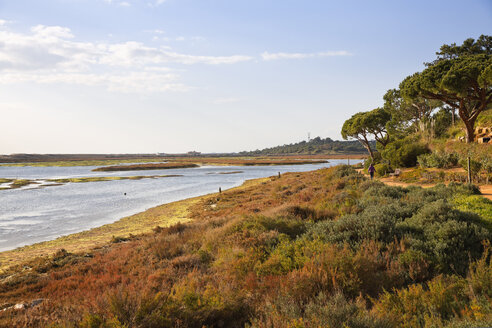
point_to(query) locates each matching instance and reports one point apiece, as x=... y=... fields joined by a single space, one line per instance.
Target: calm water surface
x=35 y=214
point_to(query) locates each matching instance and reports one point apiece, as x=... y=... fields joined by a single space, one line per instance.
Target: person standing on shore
x=371 y=171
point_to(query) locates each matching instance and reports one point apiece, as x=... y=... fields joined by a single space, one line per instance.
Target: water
x=31 y=215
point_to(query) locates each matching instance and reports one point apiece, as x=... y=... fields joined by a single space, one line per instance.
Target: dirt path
x=486 y=190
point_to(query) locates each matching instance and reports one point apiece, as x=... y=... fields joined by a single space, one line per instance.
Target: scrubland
x=317 y=249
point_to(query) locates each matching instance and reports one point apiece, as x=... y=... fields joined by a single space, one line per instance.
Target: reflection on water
x=34 y=215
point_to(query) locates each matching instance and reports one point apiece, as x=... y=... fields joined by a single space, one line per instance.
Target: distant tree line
x=314 y=146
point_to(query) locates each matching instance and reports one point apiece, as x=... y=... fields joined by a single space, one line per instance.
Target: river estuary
x=33 y=214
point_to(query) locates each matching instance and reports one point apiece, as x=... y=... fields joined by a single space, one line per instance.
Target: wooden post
x=220 y=190
x=279 y=175
x=469 y=171
x=348 y=161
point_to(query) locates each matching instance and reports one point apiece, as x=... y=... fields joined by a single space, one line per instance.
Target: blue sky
x=134 y=76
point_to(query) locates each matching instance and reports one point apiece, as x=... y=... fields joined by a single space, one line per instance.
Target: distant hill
x=314 y=146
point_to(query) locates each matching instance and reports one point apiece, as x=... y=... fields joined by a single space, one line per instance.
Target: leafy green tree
x=364 y=124
x=483 y=45
x=461 y=77
x=442 y=120
x=356 y=127
x=376 y=121
x=409 y=111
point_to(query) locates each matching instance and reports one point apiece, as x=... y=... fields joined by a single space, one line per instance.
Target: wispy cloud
x=119 y=3
x=133 y=82
x=155 y=31
x=155 y=3
x=286 y=55
x=50 y=54
x=230 y=100
x=4 y=22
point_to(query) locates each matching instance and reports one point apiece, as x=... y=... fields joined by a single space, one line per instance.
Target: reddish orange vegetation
x=241 y=260
x=76 y=284
x=138 y=167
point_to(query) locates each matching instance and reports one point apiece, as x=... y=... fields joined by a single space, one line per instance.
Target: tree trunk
x=470 y=131
x=367 y=146
x=468 y=116
x=382 y=139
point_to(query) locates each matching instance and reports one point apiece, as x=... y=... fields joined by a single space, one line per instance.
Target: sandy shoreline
x=162 y=215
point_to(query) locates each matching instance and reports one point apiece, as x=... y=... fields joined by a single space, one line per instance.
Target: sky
x=168 y=76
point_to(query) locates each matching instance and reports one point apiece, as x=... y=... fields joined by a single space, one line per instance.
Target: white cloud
x=50 y=54
x=139 y=82
x=221 y=101
x=284 y=55
x=133 y=53
x=155 y=3
x=119 y=3
x=4 y=22
x=156 y=31
x=51 y=32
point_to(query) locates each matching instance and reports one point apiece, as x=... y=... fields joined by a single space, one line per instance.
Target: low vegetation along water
x=36 y=213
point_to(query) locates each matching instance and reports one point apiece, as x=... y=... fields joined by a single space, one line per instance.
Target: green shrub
x=379 y=189
x=437 y=159
x=470 y=323
x=476 y=204
x=383 y=169
x=95 y=321
x=475 y=166
x=456 y=189
x=450 y=237
x=377 y=159
x=417 y=306
x=456 y=131
x=323 y=310
x=480 y=274
x=404 y=152
x=442 y=121
x=343 y=171
x=376 y=222
x=289 y=225
x=447 y=237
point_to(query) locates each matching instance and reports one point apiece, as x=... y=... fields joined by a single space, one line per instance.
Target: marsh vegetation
x=308 y=249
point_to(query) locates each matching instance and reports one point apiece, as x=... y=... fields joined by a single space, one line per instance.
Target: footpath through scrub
x=486 y=190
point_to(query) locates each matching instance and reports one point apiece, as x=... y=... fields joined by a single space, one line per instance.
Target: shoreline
x=163 y=215
x=59 y=162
